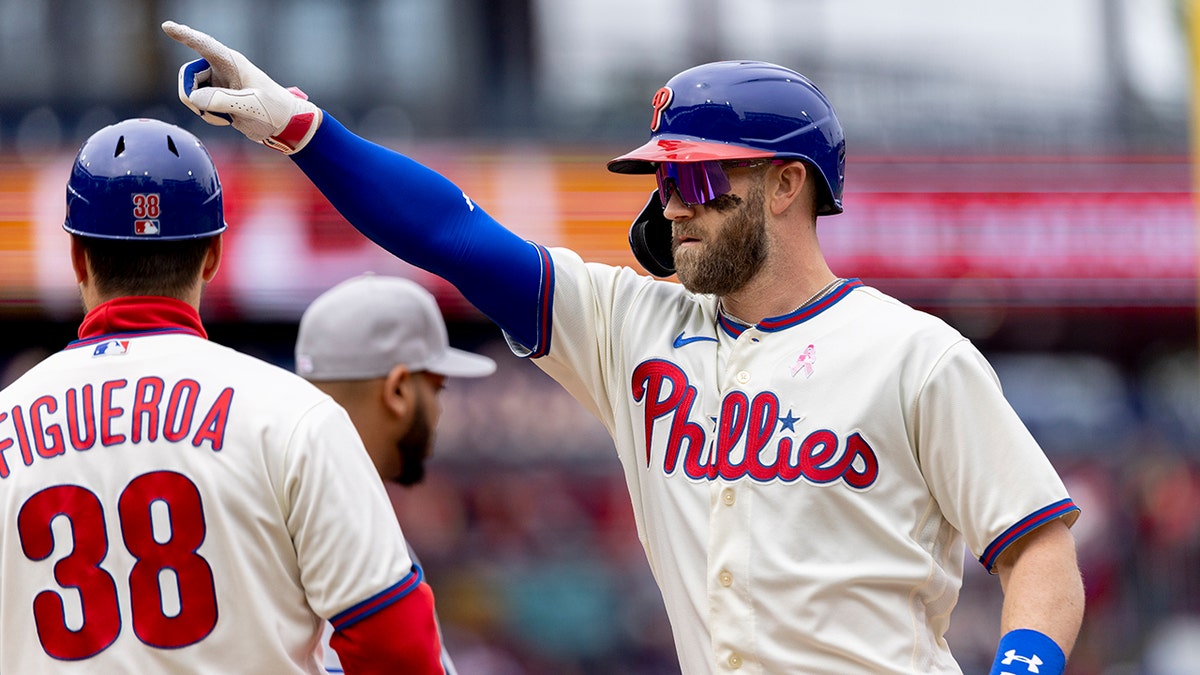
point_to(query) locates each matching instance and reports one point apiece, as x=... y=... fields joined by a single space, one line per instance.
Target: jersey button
x=743 y=377
x=727 y=497
x=725 y=578
x=735 y=661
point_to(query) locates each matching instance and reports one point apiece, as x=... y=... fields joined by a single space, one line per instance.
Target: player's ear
x=81 y=264
x=212 y=259
x=79 y=261
x=793 y=182
x=397 y=394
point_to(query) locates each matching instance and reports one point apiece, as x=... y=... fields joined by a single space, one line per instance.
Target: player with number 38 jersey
x=172 y=505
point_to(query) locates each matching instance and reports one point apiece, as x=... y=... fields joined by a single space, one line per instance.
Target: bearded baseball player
x=378 y=345
x=807 y=457
x=172 y=505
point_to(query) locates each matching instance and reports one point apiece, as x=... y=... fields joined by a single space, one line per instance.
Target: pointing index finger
x=219 y=57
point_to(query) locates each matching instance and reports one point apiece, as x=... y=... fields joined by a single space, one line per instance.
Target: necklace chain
x=822 y=293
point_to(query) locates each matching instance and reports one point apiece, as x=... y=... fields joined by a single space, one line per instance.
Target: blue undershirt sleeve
x=422 y=218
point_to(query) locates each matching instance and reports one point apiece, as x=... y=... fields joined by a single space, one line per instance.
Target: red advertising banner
x=1023 y=248
x=1041 y=232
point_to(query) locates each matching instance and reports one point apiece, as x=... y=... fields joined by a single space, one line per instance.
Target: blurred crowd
x=525 y=530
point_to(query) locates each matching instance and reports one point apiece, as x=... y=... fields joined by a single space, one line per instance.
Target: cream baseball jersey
x=172 y=505
x=803 y=488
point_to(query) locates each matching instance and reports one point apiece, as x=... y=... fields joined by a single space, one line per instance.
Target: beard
x=415 y=446
x=729 y=260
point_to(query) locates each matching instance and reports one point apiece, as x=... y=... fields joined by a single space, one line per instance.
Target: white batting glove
x=224 y=88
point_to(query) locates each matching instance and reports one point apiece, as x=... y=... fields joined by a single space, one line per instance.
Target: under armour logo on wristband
x=1045 y=656
x=1031 y=662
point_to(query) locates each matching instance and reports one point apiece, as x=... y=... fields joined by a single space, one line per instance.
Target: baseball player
x=807 y=457
x=171 y=505
x=379 y=347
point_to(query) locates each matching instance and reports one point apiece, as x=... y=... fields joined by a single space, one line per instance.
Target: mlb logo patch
x=111 y=348
x=146 y=227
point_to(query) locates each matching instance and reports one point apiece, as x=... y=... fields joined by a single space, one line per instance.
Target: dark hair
x=166 y=268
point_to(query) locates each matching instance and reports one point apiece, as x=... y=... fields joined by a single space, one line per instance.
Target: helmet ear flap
x=650 y=239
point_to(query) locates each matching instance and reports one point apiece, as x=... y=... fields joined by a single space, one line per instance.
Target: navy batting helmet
x=744 y=110
x=734 y=110
x=144 y=179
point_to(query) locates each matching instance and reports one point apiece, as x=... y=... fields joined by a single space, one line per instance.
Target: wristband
x=1024 y=651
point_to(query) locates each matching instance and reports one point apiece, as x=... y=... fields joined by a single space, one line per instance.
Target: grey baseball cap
x=365 y=326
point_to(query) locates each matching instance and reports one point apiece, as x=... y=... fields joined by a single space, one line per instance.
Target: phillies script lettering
x=745 y=441
x=112 y=414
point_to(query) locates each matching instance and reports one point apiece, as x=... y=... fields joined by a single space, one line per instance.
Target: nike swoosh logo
x=681 y=341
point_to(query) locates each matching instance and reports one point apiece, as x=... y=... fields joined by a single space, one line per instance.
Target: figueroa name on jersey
x=37 y=429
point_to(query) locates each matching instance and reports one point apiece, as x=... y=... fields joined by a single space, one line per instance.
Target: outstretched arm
x=1043 y=601
x=401 y=205
x=420 y=217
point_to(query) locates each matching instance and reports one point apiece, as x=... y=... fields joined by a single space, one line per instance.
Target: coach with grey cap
x=378 y=346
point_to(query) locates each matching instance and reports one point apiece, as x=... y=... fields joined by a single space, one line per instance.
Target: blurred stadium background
x=1022 y=169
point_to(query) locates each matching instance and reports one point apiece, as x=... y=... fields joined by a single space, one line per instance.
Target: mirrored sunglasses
x=699 y=182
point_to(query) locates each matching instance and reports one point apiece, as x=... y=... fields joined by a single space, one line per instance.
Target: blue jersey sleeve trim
x=385 y=598
x=419 y=216
x=1023 y=527
x=545 y=305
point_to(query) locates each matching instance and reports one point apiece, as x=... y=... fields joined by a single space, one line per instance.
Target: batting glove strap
x=225 y=88
x=1025 y=651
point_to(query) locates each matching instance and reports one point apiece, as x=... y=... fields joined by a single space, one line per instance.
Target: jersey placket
x=731 y=502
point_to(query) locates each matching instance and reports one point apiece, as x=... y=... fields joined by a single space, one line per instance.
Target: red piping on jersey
x=544 y=306
x=138 y=316
x=384 y=598
x=1027 y=524
x=772 y=324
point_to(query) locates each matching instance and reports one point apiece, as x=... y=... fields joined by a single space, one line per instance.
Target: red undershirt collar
x=141 y=314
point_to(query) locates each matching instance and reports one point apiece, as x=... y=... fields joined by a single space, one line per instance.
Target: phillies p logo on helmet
x=662 y=99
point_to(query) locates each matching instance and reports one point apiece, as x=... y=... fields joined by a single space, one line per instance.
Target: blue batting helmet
x=744 y=110
x=144 y=179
